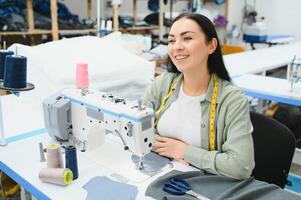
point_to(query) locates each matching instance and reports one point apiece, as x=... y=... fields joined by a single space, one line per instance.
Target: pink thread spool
x=54 y=156
x=82 y=79
x=58 y=176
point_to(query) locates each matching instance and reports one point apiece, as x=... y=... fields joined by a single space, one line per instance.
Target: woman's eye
x=187 y=38
x=171 y=41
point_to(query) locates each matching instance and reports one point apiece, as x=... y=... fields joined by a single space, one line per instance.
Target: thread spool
x=82 y=76
x=54 y=156
x=71 y=160
x=58 y=176
x=3 y=54
x=15 y=71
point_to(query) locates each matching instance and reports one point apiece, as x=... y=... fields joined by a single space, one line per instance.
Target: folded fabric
x=219 y=187
x=102 y=187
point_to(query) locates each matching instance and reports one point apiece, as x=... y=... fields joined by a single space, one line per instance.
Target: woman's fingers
x=161 y=139
x=169 y=147
x=161 y=150
x=159 y=144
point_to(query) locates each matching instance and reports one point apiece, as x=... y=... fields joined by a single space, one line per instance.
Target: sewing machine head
x=71 y=116
x=294 y=71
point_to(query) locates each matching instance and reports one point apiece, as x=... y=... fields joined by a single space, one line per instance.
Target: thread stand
x=2 y=135
x=8 y=91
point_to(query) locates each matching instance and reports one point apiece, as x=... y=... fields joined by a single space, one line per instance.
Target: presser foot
x=140 y=164
x=83 y=92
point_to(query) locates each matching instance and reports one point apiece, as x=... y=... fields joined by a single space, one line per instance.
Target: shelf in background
x=137 y=28
x=32 y=32
x=41 y=32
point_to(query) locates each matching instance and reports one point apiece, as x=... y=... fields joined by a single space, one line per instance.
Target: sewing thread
x=15 y=71
x=54 y=156
x=3 y=54
x=58 y=176
x=71 y=160
x=82 y=76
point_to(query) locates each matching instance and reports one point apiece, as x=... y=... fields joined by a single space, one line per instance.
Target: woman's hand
x=170 y=147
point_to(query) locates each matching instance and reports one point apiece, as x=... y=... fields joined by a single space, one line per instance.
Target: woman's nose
x=178 y=45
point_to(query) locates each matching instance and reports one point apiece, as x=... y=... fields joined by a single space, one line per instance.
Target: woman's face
x=187 y=45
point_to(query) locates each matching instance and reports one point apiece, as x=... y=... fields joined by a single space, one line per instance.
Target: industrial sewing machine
x=81 y=116
x=294 y=71
x=254 y=31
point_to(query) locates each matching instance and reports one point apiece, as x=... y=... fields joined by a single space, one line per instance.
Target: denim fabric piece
x=152 y=163
x=101 y=187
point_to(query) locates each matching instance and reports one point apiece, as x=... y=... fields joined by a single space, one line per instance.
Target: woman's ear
x=212 y=45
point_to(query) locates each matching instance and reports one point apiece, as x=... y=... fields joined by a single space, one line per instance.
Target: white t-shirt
x=182 y=120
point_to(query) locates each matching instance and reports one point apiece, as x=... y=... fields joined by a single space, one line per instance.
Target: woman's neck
x=196 y=83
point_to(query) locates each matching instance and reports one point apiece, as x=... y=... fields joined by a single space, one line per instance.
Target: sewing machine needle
x=140 y=164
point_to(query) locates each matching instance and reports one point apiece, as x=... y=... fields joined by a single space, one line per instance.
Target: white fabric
x=182 y=120
x=51 y=67
x=112 y=68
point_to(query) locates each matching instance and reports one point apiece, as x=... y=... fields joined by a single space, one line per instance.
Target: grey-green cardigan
x=235 y=152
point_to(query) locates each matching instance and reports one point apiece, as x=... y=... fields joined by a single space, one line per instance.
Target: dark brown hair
x=215 y=61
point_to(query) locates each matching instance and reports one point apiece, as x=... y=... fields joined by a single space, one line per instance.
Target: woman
x=201 y=118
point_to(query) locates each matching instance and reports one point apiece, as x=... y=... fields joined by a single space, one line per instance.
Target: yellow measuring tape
x=163 y=102
x=212 y=110
x=212 y=114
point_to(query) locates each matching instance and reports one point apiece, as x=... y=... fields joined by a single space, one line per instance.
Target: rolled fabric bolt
x=82 y=76
x=102 y=31
x=58 y=176
x=54 y=156
x=109 y=26
x=102 y=24
x=71 y=160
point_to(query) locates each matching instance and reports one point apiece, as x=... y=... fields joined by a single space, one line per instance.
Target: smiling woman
x=201 y=118
x=188 y=47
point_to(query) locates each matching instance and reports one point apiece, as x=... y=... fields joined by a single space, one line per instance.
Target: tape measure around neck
x=212 y=146
x=163 y=102
x=212 y=110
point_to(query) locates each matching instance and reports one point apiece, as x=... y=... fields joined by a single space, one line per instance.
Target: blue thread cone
x=15 y=72
x=3 y=54
x=71 y=160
